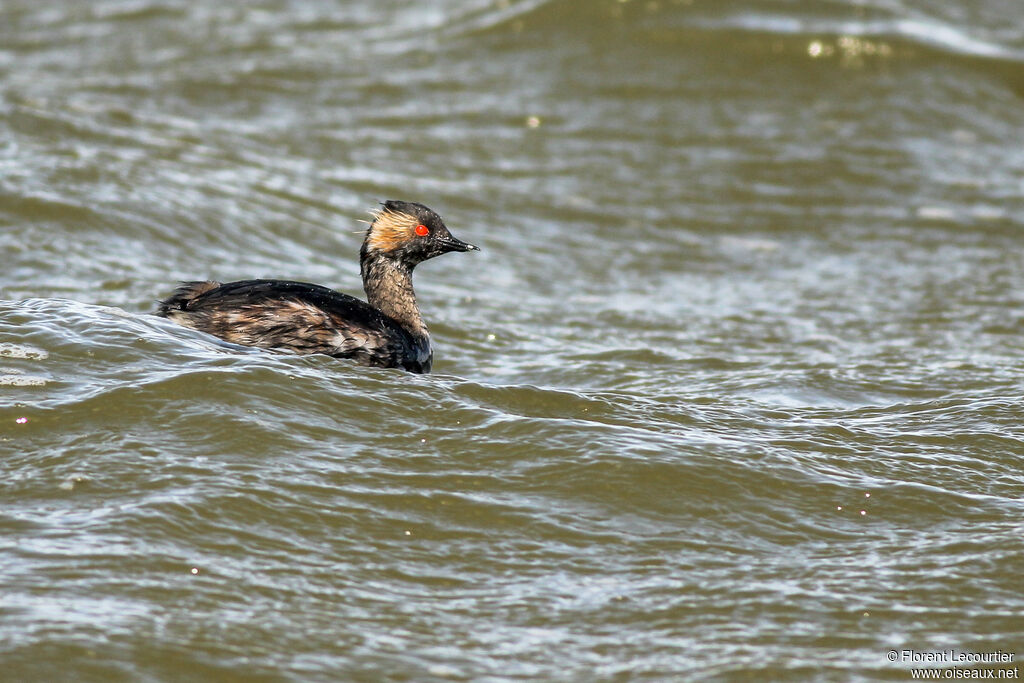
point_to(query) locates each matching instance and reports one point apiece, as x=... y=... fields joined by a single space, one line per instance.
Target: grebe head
x=409 y=233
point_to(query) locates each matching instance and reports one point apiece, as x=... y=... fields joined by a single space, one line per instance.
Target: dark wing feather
x=280 y=314
x=337 y=304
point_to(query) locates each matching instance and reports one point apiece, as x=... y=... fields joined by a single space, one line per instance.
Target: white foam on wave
x=22 y=381
x=8 y=350
x=924 y=31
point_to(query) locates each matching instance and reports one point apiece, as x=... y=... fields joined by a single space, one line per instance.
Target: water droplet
x=70 y=483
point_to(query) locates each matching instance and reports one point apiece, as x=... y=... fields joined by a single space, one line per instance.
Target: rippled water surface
x=732 y=392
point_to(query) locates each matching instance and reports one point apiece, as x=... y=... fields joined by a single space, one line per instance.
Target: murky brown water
x=734 y=390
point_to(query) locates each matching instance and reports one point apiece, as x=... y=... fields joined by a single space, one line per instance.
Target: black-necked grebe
x=303 y=318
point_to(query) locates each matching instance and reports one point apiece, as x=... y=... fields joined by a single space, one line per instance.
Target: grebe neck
x=388 y=286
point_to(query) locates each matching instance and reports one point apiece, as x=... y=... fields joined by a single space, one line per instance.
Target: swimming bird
x=386 y=330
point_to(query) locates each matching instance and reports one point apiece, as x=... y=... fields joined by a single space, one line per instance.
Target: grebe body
x=387 y=330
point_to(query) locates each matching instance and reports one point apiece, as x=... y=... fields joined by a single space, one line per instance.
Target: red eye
x=422 y=230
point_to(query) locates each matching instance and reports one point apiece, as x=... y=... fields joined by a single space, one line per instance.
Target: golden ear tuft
x=390 y=229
